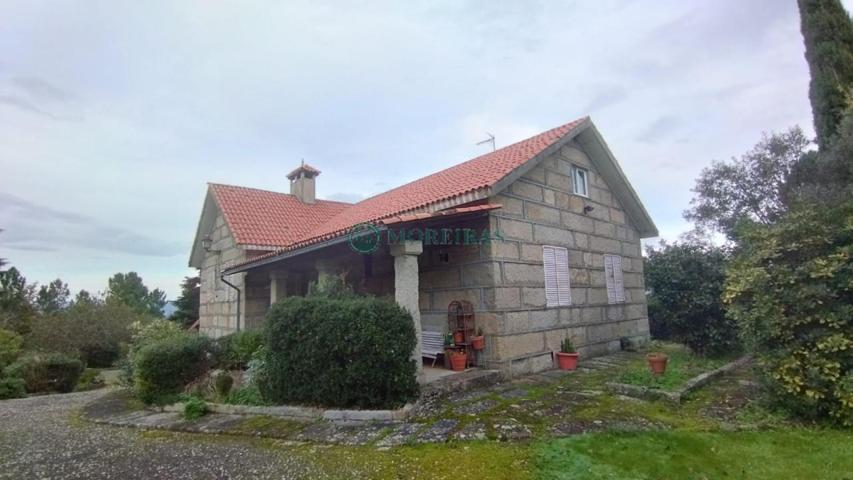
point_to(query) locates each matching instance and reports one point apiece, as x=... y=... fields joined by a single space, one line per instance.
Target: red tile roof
x=268 y=218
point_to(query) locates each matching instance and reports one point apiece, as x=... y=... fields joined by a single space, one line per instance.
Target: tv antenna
x=491 y=140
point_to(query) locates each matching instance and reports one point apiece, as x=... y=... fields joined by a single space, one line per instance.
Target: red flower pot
x=567 y=361
x=459 y=336
x=458 y=361
x=657 y=363
x=478 y=343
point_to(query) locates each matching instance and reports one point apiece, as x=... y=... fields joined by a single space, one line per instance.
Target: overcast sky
x=115 y=114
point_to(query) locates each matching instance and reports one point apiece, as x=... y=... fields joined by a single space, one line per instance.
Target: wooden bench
x=432 y=345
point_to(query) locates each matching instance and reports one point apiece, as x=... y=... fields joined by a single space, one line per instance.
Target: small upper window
x=579 y=176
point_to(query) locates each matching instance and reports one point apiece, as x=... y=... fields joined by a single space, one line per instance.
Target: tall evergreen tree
x=187 y=304
x=828 y=33
x=53 y=297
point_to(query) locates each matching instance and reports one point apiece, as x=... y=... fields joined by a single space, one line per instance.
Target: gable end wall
x=540 y=209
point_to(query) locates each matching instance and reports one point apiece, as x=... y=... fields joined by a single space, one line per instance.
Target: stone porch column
x=406 y=286
x=278 y=286
x=326 y=268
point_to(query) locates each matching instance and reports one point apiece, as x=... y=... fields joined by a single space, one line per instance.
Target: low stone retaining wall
x=675 y=396
x=306 y=414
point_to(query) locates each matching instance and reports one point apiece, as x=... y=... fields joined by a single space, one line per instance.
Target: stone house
x=561 y=255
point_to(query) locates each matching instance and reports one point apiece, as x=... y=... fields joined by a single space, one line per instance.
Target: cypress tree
x=828 y=34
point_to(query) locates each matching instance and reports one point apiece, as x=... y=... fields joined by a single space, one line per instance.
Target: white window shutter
x=613 y=276
x=617 y=276
x=550 y=263
x=564 y=292
x=557 y=284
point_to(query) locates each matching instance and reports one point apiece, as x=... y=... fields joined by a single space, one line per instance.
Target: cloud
x=660 y=128
x=40 y=89
x=605 y=98
x=29 y=226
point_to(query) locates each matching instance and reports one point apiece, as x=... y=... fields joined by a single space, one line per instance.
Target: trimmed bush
x=162 y=369
x=236 y=349
x=339 y=352
x=12 y=388
x=685 y=283
x=46 y=372
x=791 y=291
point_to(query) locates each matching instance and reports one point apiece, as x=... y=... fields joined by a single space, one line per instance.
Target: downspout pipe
x=239 y=297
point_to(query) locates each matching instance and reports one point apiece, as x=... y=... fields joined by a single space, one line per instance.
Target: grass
x=681 y=367
x=89 y=380
x=480 y=460
x=788 y=454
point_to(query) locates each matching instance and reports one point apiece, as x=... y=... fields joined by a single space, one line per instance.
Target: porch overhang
x=381 y=226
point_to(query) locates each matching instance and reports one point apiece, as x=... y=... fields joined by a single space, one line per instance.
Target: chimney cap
x=303 y=167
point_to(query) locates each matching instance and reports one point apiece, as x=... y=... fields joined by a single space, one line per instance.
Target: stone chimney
x=302 y=182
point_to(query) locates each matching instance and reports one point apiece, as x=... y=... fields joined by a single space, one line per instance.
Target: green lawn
x=681 y=367
x=788 y=454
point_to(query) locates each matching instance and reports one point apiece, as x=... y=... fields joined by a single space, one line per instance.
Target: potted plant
x=567 y=357
x=657 y=362
x=458 y=359
x=458 y=336
x=479 y=341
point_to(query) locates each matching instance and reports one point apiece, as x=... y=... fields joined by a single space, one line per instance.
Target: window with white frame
x=579 y=181
x=557 y=288
x=613 y=276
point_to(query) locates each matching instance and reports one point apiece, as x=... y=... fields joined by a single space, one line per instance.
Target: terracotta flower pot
x=459 y=336
x=478 y=343
x=657 y=363
x=567 y=361
x=458 y=361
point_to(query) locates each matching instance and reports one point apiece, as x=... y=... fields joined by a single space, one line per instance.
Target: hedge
x=791 y=290
x=344 y=351
x=685 y=281
x=46 y=372
x=162 y=368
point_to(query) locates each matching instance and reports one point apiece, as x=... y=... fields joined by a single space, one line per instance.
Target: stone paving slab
x=438 y=432
x=400 y=434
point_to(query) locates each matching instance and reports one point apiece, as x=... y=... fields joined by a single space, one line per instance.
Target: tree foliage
x=828 y=34
x=16 y=301
x=129 y=289
x=685 y=282
x=752 y=188
x=188 y=302
x=92 y=332
x=791 y=291
x=53 y=297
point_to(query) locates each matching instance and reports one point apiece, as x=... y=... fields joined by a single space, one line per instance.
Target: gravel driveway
x=43 y=438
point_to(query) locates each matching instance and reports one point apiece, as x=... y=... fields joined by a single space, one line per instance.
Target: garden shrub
x=222 y=384
x=53 y=372
x=12 y=387
x=163 y=368
x=791 y=291
x=91 y=331
x=194 y=408
x=685 y=282
x=235 y=350
x=344 y=351
x=145 y=332
x=10 y=347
